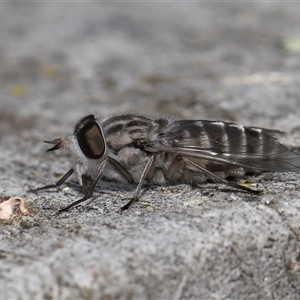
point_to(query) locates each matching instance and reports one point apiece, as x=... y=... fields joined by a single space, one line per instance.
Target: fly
x=138 y=149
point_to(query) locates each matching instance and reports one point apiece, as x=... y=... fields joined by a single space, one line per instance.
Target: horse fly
x=138 y=149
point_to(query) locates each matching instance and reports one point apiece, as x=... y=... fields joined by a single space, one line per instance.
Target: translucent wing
x=227 y=143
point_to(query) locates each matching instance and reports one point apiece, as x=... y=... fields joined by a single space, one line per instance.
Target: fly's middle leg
x=145 y=173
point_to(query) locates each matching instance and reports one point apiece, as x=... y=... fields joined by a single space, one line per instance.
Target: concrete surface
x=230 y=61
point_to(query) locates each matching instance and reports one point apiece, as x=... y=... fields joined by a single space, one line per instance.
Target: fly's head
x=88 y=147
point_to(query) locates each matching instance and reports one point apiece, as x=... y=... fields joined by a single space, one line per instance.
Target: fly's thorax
x=125 y=130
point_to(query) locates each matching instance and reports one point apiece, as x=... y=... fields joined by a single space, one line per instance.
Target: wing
x=227 y=143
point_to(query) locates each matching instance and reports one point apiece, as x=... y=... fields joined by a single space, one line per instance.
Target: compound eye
x=91 y=141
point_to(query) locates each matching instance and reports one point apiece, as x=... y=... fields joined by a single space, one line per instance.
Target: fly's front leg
x=89 y=185
x=119 y=168
x=75 y=203
x=57 y=184
x=140 y=184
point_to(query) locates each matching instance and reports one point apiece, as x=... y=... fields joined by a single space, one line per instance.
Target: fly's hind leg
x=177 y=164
x=219 y=178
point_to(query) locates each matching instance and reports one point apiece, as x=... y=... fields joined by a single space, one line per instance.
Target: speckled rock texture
x=219 y=61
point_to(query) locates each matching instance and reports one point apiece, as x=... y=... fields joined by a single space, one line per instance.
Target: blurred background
x=232 y=61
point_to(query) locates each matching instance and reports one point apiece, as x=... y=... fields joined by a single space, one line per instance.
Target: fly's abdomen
x=226 y=137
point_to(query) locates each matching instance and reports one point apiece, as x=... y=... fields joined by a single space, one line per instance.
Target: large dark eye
x=91 y=141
